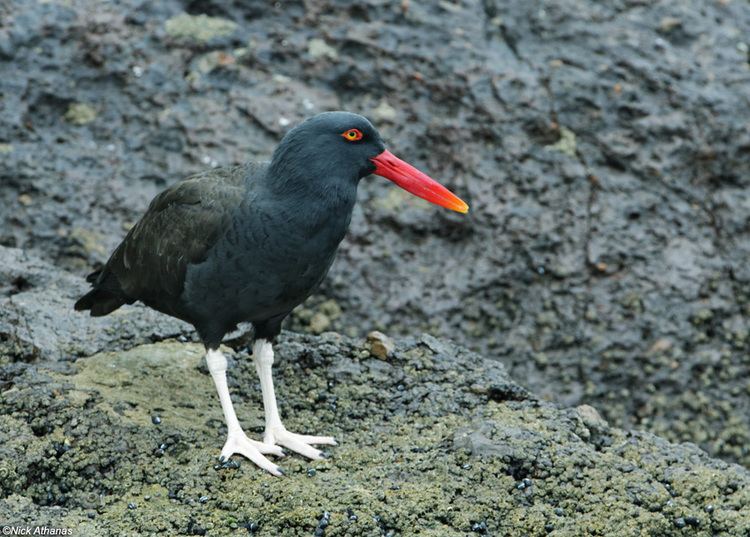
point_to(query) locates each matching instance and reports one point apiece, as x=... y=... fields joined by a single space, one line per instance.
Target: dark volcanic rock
x=37 y=322
x=603 y=147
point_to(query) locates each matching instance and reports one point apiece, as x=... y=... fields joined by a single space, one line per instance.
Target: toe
x=295 y=443
x=252 y=450
x=249 y=452
x=225 y=454
x=326 y=440
x=260 y=461
x=270 y=449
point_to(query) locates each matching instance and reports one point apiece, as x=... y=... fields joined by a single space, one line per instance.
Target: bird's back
x=179 y=228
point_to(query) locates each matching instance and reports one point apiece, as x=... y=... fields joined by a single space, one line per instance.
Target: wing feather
x=179 y=228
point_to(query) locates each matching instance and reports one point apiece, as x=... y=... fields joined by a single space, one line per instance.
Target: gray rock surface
x=37 y=322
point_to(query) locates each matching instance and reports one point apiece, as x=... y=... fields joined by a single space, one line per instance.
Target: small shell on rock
x=381 y=346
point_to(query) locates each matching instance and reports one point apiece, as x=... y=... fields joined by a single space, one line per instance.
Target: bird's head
x=345 y=146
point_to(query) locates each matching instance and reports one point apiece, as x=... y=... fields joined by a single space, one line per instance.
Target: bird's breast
x=269 y=263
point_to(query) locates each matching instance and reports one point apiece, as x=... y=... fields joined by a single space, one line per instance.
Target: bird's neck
x=303 y=216
x=297 y=186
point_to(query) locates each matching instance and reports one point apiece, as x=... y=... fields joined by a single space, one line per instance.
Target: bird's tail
x=104 y=298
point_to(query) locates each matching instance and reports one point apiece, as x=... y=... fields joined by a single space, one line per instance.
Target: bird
x=249 y=243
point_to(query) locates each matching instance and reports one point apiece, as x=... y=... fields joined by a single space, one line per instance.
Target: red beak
x=412 y=180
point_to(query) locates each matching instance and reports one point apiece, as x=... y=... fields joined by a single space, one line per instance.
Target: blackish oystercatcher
x=250 y=243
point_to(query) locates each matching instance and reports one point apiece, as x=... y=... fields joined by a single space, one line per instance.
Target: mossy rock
x=436 y=441
x=199 y=28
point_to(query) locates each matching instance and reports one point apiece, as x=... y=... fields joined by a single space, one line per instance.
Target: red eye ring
x=352 y=135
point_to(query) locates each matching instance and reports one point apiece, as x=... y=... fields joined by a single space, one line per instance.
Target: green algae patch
x=566 y=144
x=152 y=380
x=435 y=441
x=90 y=242
x=199 y=28
x=80 y=114
x=317 y=318
x=317 y=48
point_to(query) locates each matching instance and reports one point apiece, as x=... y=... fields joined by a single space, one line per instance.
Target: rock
x=206 y=63
x=199 y=28
x=39 y=324
x=319 y=323
x=381 y=346
x=317 y=48
x=442 y=453
x=384 y=112
x=591 y=418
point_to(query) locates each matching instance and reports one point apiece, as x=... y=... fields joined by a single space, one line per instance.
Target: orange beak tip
x=458 y=205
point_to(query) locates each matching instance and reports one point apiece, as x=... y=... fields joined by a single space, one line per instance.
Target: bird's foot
x=239 y=444
x=299 y=443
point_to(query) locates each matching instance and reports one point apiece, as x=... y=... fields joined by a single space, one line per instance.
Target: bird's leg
x=237 y=442
x=276 y=433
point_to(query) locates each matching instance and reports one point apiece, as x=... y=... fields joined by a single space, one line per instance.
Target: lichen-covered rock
x=104 y=433
x=198 y=28
x=429 y=444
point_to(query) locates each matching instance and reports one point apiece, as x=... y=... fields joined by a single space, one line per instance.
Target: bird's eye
x=352 y=135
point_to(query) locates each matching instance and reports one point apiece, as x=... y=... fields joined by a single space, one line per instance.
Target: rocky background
x=605 y=152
